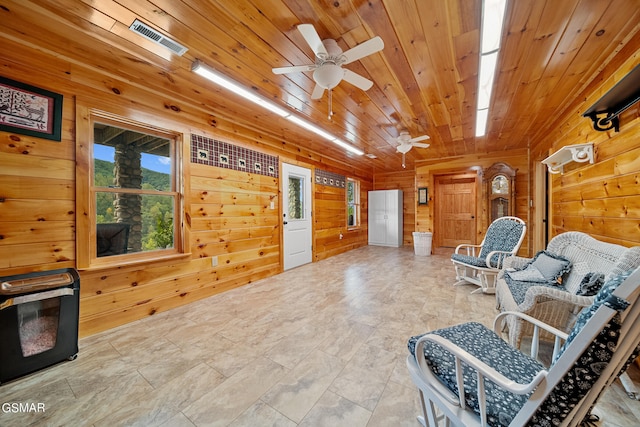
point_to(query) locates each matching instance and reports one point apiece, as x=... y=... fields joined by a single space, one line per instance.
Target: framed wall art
x=29 y=110
x=423 y=196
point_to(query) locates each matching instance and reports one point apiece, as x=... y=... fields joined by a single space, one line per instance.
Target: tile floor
x=319 y=345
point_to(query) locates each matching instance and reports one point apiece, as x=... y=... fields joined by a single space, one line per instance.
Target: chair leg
x=429 y=413
x=489 y=280
x=422 y=419
x=629 y=386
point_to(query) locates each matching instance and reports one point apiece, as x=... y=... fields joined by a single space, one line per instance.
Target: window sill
x=123 y=262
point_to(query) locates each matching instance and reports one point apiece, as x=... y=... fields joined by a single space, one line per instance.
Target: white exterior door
x=296 y=217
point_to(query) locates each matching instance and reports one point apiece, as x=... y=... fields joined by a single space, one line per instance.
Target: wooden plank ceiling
x=425 y=78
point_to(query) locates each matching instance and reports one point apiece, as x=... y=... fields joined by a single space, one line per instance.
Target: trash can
x=422 y=243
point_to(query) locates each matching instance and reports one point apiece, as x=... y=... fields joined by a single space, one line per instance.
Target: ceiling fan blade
x=419 y=138
x=293 y=69
x=313 y=40
x=318 y=91
x=357 y=80
x=363 y=49
x=420 y=145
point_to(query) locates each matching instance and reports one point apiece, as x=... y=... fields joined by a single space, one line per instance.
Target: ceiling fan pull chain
x=330 y=105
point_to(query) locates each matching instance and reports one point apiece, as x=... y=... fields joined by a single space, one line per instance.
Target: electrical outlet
x=341 y=236
x=214 y=261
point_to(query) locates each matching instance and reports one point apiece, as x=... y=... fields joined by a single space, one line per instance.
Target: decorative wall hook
x=604 y=113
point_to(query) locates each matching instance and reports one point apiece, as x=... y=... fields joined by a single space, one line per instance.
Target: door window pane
x=296 y=198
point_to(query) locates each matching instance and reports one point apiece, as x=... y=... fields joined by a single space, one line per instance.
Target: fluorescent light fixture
x=481 y=121
x=493 y=12
x=348 y=147
x=492 y=18
x=310 y=126
x=227 y=83
x=485 y=78
x=320 y=132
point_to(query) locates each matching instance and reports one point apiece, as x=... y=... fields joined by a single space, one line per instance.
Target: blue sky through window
x=150 y=161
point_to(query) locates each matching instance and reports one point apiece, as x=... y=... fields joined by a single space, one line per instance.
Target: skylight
x=492 y=22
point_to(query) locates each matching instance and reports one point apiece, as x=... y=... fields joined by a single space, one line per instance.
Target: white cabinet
x=385 y=217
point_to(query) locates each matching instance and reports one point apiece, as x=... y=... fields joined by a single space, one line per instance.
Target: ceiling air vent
x=147 y=32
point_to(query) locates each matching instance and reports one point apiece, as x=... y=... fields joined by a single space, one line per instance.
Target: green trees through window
x=353 y=203
x=129 y=192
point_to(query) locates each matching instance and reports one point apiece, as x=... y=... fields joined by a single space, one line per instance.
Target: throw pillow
x=545 y=267
x=529 y=274
x=591 y=284
x=578 y=272
x=551 y=266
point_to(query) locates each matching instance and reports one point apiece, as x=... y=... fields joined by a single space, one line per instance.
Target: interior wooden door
x=455 y=210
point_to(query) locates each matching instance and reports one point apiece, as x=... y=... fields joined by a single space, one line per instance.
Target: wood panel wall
x=227 y=213
x=405 y=181
x=601 y=199
x=517 y=159
x=330 y=221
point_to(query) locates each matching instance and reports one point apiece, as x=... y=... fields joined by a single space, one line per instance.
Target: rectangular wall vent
x=149 y=33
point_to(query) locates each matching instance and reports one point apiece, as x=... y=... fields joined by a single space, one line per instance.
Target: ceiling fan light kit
x=327 y=69
x=406 y=143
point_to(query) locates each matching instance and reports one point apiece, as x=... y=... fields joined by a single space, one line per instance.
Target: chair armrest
x=555 y=331
x=560 y=336
x=536 y=293
x=502 y=255
x=470 y=249
x=482 y=368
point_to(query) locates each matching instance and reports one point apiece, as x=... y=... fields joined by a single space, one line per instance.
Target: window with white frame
x=353 y=203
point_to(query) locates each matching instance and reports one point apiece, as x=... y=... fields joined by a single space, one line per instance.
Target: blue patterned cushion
x=471 y=260
x=579 y=379
x=588 y=367
x=502 y=235
x=591 y=284
x=483 y=343
x=604 y=296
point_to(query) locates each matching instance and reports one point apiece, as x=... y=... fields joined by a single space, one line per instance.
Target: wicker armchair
x=558 y=306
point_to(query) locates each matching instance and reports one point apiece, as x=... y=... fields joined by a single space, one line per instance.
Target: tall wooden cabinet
x=385 y=217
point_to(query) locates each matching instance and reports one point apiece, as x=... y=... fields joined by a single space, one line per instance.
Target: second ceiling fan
x=406 y=143
x=327 y=69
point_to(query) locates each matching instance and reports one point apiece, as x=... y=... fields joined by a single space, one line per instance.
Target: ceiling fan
x=327 y=69
x=406 y=143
